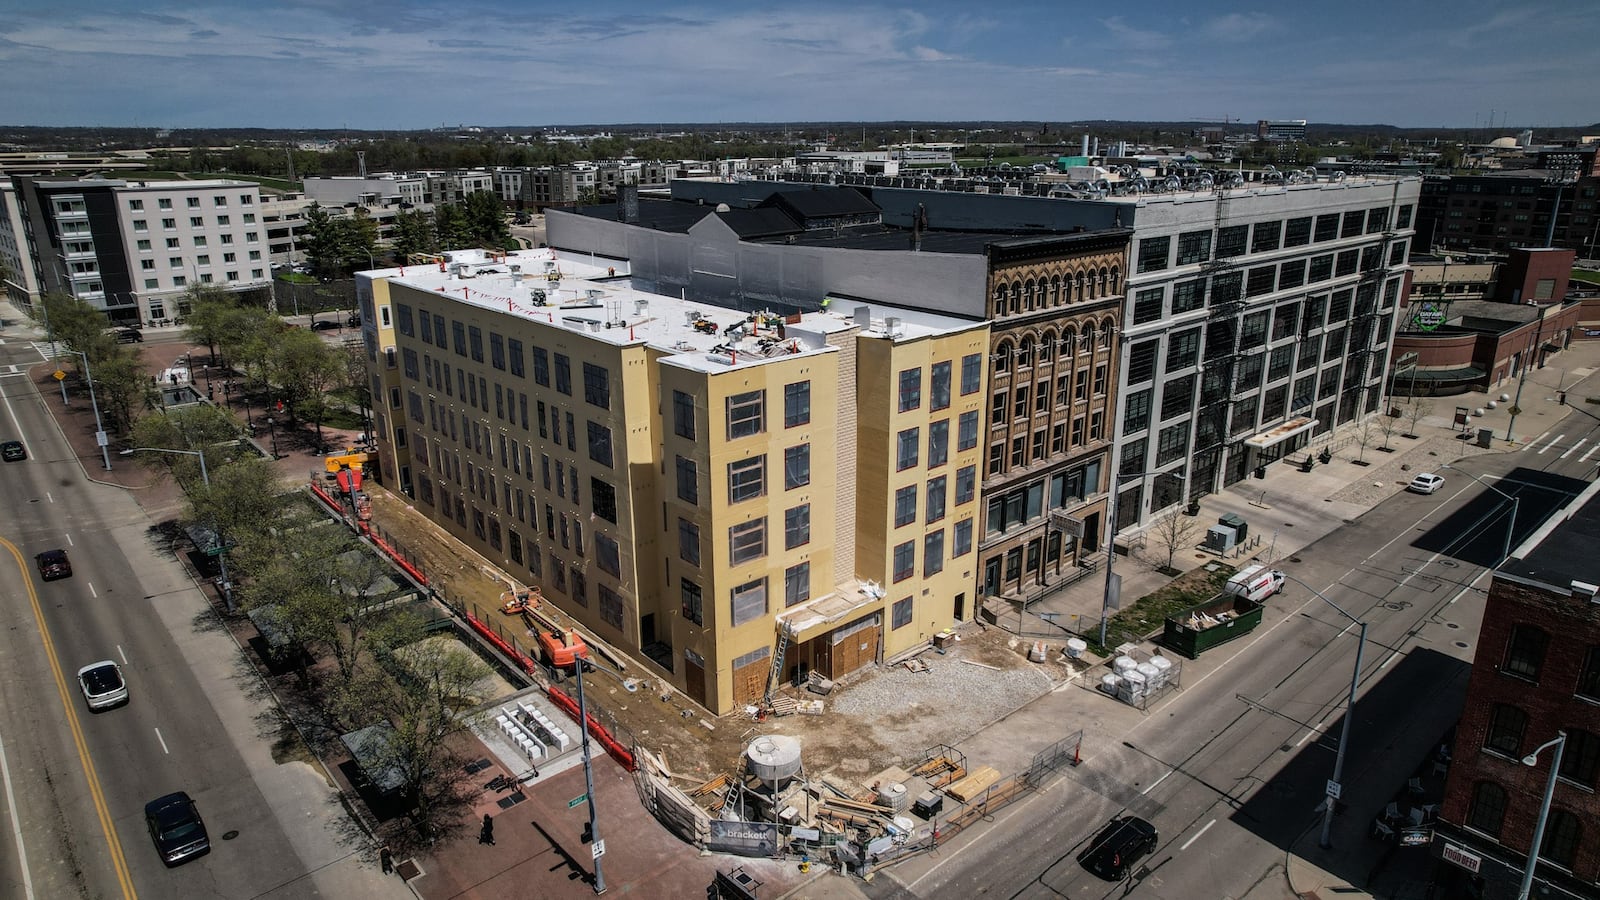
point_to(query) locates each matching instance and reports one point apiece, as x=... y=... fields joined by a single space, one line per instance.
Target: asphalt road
x=1232 y=770
x=78 y=780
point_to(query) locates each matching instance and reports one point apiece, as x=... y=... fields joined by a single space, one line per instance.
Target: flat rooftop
x=1563 y=555
x=594 y=296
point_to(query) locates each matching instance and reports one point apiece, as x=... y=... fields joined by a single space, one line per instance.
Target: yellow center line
x=118 y=861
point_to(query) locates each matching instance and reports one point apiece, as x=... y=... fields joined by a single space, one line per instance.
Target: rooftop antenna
x=361 y=162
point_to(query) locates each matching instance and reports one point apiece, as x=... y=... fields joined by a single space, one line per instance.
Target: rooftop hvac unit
x=1221 y=538
x=640 y=306
x=891 y=326
x=863 y=316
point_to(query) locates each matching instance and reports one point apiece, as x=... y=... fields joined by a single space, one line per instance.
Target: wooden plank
x=715 y=784
x=981 y=779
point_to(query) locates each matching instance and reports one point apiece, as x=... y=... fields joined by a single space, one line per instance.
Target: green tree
x=247 y=502
x=303 y=368
x=414 y=233
x=208 y=429
x=486 y=219
x=123 y=387
x=209 y=312
x=451 y=227
x=80 y=326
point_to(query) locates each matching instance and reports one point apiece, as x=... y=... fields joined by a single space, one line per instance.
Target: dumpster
x=1237 y=523
x=1197 y=629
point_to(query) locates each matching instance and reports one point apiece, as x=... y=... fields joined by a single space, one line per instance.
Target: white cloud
x=1136 y=38
x=1238 y=26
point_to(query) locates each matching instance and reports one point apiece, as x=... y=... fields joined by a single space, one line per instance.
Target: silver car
x=102 y=684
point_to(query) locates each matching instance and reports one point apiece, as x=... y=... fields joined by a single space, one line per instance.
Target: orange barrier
x=621 y=754
x=500 y=643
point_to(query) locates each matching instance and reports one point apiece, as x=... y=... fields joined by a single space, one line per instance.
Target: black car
x=1118 y=846
x=324 y=325
x=176 y=828
x=53 y=564
x=130 y=336
x=13 y=451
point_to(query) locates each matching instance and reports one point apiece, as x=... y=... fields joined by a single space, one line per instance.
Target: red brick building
x=1536 y=673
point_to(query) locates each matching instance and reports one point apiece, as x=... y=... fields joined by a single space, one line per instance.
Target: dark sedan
x=176 y=828
x=13 y=451
x=54 y=564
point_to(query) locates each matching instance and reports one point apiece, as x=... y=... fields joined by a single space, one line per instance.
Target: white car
x=1426 y=483
x=102 y=684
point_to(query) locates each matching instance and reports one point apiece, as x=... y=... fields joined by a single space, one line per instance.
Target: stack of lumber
x=854 y=812
x=981 y=779
x=716 y=784
x=940 y=771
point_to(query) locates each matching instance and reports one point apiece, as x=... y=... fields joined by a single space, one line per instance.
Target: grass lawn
x=296 y=278
x=281 y=184
x=1586 y=275
x=1149 y=613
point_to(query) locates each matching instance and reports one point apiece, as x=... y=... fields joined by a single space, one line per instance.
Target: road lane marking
x=107 y=826
x=1529 y=445
x=69 y=541
x=1553 y=442
x=121 y=654
x=92 y=590
x=1580 y=443
x=16 y=825
x=1197 y=835
x=1590 y=452
x=1315 y=730
x=1157 y=781
x=163 y=742
x=20 y=436
x=49 y=496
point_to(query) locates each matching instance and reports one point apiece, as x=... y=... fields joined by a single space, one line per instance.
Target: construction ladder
x=784 y=634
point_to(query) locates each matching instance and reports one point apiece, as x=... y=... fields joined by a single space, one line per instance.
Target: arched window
x=1055 y=291
x=1025 y=353
x=1087 y=343
x=1028 y=299
x=1107 y=329
x=1047 y=347
x=1105 y=281
x=1488 y=810
x=1077 y=291
x=1000 y=301
x=1069 y=343
x=1002 y=358
x=1562 y=834
x=1016 y=298
x=1116 y=280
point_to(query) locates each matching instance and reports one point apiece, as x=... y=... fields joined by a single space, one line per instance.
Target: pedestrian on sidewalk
x=486 y=836
x=386 y=860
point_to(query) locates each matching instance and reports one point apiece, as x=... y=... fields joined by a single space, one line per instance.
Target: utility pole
x=598 y=847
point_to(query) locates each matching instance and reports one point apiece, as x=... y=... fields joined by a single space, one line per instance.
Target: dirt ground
x=895 y=714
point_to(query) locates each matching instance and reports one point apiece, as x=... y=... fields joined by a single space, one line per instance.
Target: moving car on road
x=13 y=451
x=176 y=828
x=1426 y=483
x=102 y=685
x=54 y=564
x=130 y=336
x=1113 y=852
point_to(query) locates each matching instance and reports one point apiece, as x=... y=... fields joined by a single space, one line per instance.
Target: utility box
x=1241 y=530
x=1221 y=538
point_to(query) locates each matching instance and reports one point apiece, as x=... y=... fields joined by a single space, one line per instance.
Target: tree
x=1364 y=434
x=354 y=357
x=247 y=337
x=210 y=309
x=202 y=427
x=80 y=326
x=1173 y=533
x=1388 y=424
x=1415 y=411
x=414 y=233
x=247 y=502
x=303 y=368
x=486 y=219
x=123 y=387
x=451 y=227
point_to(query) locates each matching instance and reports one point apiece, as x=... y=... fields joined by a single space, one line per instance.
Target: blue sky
x=371 y=64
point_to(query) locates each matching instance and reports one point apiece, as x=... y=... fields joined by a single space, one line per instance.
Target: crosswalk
x=1539 y=446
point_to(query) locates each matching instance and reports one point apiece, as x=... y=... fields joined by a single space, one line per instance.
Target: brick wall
x=1573 y=624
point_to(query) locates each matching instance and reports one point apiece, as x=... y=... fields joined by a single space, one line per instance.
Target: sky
x=394 y=64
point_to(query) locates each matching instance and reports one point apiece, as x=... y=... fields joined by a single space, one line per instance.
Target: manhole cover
x=1451 y=625
x=1449 y=564
x=1294 y=559
x=1461 y=644
x=229 y=835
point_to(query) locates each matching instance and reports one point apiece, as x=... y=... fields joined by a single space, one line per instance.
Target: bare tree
x=1389 y=424
x=1365 y=431
x=1414 y=413
x=1173 y=533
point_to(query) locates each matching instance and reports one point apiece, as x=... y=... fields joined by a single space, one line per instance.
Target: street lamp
x=1349 y=713
x=205 y=478
x=1111 y=541
x=1532 y=759
x=99 y=430
x=272 y=435
x=1511 y=526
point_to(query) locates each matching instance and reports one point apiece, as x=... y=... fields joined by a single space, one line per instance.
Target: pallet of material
x=940 y=771
x=981 y=779
x=784 y=706
x=916 y=665
x=715 y=784
x=810 y=707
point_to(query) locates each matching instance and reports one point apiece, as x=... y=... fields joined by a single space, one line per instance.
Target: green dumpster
x=1197 y=629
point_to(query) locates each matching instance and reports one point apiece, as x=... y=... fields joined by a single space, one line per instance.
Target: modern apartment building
x=1054 y=303
x=1498 y=211
x=132 y=248
x=1536 y=675
x=750 y=485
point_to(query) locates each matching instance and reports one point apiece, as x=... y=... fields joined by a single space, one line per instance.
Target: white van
x=1255 y=583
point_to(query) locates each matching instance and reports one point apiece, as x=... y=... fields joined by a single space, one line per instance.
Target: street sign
x=101 y=439
x=1459 y=856
x=599 y=849
x=1333 y=789
x=576 y=800
x=58 y=375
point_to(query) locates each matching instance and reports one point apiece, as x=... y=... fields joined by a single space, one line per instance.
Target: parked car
x=102 y=684
x=54 y=564
x=13 y=451
x=1426 y=483
x=129 y=336
x=176 y=828
x=324 y=325
x=1113 y=852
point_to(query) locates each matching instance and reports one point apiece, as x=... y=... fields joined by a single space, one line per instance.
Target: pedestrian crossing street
x=1539 y=446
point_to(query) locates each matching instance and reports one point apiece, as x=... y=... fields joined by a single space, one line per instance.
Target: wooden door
x=694 y=680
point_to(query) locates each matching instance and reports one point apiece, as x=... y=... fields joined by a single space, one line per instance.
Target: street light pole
x=1511 y=527
x=1532 y=759
x=222 y=549
x=1334 y=784
x=99 y=430
x=598 y=846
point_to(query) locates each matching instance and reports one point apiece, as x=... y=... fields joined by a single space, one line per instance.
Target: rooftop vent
x=863 y=316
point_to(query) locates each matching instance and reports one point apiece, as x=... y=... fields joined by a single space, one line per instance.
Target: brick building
x=1536 y=673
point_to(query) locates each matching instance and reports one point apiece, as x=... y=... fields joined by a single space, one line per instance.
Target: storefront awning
x=1280 y=433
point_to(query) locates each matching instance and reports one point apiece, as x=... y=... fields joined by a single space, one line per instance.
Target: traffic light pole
x=598 y=846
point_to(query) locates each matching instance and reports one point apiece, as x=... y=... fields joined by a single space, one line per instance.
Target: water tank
x=893 y=796
x=774 y=757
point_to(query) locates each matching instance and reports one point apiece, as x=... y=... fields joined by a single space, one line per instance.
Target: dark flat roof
x=1566 y=554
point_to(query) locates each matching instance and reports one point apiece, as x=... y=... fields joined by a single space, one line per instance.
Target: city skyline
x=316 y=64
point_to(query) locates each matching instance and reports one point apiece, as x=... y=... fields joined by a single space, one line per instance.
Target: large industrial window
x=1231 y=240
x=796 y=466
x=905 y=560
x=971 y=373
x=906 y=451
x=963 y=538
x=933 y=553
x=910 y=389
x=1173 y=444
x=1561 y=837
x=1297 y=233
x=1142 y=361
x=607 y=555
x=682 y=413
x=1136 y=416
x=1506 y=724
x=905 y=505
x=689 y=542
x=901 y=613
x=749 y=601
x=688 y=481
x=797 y=584
x=1488 y=810
x=746 y=414
x=747 y=479
x=796 y=404
x=1194 y=247
x=597 y=385
x=600 y=444
x=1154 y=253
x=1327 y=227
x=939 y=443
x=1581 y=757
x=937 y=492
x=1188 y=296
x=939 y=386
x=1183 y=349
x=797 y=526
x=966 y=484
x=497 y=351
x=610 y=607
x=602 y=495
x=1147 y=305
x=563 y=374
x=475 y=340
x=747 y=541
x=1264 y=237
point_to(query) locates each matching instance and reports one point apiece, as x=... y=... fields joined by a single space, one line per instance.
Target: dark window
x=693 y=607
x=1321 y=268
x=1194 y=247
x=797 y=526
x=597 y=385
x=600 y=443
x=1142 y=361
x=937 y=492
x=1136 y=418
x=1403 y=220
x=1506 y=724
x=1183 y=350
x=796 y=466
x=797 y=584
x=1297 y=233
x=688 y=482
x=747 y=541
x=1327 y=227
x=1291 y=274
x=966 y=484
x=939 y=443
x=689 y=542
x=905 y=560
x=563 y=374
x=1262 y=278
x=905 y=505
x=1562 y=834
x=971 y=373
x=1231 y=240
x=910 y=389
x=796 y=404
x=402 y=319
x=906 y=452
x=1525 y=652
x=1488 y=810
x=603 y=495
x=1147 y=305
x=1154 y=253
x=967 y=430
x=1581 y=757
x=497 y=351
x=1264 y=237
x=458 y=334
x=1353 y=220
x=515 y=350
x=1589 y=679
x=1172 y=443
x=963 y=538
x=682 y=415
x=1176 y=397
x=933 y=553
x=1188 y=295
x=746 y=414
x=608 y=556
x=541 y=366
x=475 y=339
x=1226 y=288
x=901 y=614
x=939 y=387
